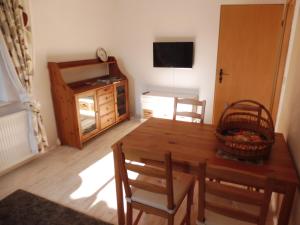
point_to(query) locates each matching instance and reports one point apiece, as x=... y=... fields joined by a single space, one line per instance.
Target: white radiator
x=14 y=139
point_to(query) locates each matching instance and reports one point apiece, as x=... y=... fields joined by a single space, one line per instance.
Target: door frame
x=289 y=8
x=287 y=27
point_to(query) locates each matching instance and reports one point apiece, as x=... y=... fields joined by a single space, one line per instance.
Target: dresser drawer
x=107 y=120
x=107 y=108
x=106 y=90
x=102 y=99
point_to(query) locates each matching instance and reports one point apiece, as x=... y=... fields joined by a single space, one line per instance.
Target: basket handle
x=242 y=104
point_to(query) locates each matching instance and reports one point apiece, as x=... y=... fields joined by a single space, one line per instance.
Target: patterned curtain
x=15 y=27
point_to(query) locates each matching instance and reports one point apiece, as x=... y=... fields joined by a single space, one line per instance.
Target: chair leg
x=138 y=217
x=171 y=220
x=189 y=205
x=201 y=200
x=129 y=214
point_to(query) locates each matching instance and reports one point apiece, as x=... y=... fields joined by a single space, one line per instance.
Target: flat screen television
x=173 y=54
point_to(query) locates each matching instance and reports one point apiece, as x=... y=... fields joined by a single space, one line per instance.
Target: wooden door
x=249 y=49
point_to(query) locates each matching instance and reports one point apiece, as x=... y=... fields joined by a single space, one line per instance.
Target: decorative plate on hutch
x=102 y=55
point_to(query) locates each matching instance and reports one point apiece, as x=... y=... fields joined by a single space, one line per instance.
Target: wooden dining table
x=190 y=143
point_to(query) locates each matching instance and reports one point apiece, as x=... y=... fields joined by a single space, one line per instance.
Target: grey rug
x=24 y=208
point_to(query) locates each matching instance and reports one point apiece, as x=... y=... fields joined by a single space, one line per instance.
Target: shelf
x=120 y=95
x=70 y=64
x=90 y=84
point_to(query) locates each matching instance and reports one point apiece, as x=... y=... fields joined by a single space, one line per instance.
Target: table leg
x=119 y=190
x=286 y=206
x=201 y=194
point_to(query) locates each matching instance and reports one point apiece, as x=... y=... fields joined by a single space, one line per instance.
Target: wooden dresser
x=85 y=108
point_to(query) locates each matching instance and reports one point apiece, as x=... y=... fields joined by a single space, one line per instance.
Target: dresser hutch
x=86 y=108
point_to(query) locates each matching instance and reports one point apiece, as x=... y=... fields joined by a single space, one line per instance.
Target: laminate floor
x=84 y=180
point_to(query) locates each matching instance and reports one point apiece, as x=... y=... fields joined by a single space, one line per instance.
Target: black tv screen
x=173 y=54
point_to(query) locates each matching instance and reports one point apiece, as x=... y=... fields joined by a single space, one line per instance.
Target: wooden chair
x=233 y=187
x=156 y=190
x=194 y=103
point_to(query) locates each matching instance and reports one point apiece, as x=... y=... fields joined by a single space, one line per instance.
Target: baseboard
x=49 y=149
x=27 y=160
x=17 y=165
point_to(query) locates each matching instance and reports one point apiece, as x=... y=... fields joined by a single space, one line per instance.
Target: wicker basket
x=250 y=117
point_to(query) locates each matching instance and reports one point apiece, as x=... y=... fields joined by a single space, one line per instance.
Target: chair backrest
x=194 y=103
x=158 y=165
x=233 y=184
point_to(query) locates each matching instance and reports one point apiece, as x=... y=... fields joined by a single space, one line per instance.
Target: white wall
x=289 y=112
x=140 y=23
x=63 y=31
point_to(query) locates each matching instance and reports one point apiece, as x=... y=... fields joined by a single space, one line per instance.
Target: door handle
x=221 y=74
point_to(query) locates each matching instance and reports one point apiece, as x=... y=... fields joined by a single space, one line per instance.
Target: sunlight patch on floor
x=107 y=195
x=95 y=178
x=98 y=179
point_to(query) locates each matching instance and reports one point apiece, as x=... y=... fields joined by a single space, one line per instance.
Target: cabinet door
x=122 y=106
x=87 y=114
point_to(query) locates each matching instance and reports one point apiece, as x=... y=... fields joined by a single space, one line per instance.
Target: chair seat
x=181 y=185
